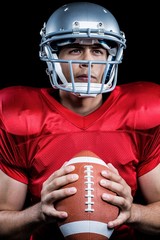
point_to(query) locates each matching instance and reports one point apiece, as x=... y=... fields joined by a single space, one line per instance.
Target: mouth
x=84 y=78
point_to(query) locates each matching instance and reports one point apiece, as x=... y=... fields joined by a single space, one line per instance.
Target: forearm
x=19 y=224
x=146 y=218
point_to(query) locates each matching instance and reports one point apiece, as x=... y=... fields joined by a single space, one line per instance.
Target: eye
x=99 y=51
x=75 y=51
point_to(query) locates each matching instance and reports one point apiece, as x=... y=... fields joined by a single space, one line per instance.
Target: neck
x=80 y=105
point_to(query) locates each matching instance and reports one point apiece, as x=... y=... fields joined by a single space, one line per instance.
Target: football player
x=84 y=109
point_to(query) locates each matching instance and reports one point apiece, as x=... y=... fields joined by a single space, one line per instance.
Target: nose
x=86 y=57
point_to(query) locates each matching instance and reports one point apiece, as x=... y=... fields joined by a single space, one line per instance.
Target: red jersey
x=38 y=135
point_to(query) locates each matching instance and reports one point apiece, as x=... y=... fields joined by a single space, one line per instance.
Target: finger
x=64 y=164
x=59 y=182
x=116 y=187
x=121 y=202
x=117 y=222
x=49 y=212
x=111 y=175
x=64 y=170
x=56 y=195
x=123 y=192
x=111 y=167
x=112 y=180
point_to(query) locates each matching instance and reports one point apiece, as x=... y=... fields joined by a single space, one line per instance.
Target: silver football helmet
x=83 y=23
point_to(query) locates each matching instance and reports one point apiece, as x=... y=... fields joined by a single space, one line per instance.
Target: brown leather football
x=88 y=214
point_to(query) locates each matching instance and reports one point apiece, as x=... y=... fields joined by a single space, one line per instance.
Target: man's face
x=83 y=52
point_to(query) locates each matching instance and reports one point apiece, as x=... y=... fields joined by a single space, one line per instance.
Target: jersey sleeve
x=150 y=152
x=11 y=161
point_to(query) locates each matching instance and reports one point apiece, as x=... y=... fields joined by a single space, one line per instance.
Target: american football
x=88 y=214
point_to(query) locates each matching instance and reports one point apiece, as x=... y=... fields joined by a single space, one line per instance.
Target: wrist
x=135 y=216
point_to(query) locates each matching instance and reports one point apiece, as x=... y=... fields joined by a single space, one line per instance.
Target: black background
x=20 y=38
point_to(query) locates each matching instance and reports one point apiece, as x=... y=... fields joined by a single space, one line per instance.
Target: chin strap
x=58 y=70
